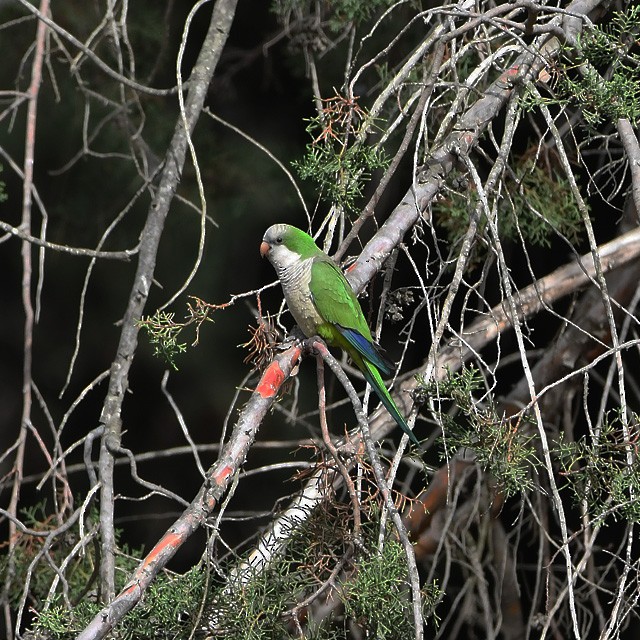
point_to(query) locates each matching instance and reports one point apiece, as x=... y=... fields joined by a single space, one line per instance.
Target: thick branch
x=466 y=134
x=632 y=149
x=202 y=73
x=218 y=479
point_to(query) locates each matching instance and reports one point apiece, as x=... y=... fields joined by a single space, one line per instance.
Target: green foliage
x=372 y=585
x=59 y=623
x=539 y=204
x=377 y=592
x=255 y=611
x=338 y=159
x=163 y=331
x=163 y=334
x=458 y=387
x=31 y=567
x=378 y=595
x=501 y=445
x=263 y=608
x=598 y=471
x=601 y=74
x=168 y=610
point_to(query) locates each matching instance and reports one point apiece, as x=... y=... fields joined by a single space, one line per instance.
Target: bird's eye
x=279 y=240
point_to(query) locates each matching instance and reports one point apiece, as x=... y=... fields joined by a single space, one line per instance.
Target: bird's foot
x=294 y=336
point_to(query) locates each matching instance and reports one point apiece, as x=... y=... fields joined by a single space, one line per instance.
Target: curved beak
x=265 y=247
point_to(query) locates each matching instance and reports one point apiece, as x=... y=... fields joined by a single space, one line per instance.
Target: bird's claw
x=294 y=336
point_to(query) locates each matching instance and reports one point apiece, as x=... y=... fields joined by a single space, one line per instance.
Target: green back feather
x=334 y=298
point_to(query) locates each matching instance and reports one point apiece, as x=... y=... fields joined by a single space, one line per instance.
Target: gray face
x=294 y=275
x=274 y=249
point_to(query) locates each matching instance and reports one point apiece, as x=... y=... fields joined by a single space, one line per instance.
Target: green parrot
x=323 y=303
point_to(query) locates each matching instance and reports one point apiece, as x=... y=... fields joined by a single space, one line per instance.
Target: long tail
x=372 y=376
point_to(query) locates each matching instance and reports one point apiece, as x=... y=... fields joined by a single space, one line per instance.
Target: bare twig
x=27 y=305
x=413 y=576
x=124 y=80
x=126 y=255
x=202 y=73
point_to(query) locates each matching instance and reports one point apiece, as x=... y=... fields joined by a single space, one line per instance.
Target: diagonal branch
x=217 y=480
x=201 y=76
x=465 y=135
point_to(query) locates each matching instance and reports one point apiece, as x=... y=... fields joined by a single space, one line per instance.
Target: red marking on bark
x=512 y=71
x=128 y=590
x=169 y=540
x=224 y=473
x=271 y=381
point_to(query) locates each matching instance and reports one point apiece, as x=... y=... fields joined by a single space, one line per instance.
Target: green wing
x=345 y=324
x=334 y=298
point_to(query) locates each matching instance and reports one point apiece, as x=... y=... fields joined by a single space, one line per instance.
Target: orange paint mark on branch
x=223 y=474
x=511 y=72
x=130 y=589
x=271 y=381
x=170 y=539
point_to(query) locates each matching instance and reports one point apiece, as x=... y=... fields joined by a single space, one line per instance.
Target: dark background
x=264 y=92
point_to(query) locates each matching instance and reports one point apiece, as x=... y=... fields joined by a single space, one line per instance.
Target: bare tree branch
x=201 y=75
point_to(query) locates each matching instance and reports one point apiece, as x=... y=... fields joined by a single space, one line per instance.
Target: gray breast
x=295 y=281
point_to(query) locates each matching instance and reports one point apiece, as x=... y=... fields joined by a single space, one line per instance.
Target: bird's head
x=285 y=245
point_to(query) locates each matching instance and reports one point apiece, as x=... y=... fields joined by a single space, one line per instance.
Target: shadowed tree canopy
x=474 y=169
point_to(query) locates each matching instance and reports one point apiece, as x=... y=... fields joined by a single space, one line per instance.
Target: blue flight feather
x=367 y=349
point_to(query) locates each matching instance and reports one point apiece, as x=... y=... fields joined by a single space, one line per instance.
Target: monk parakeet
x=323 y=303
